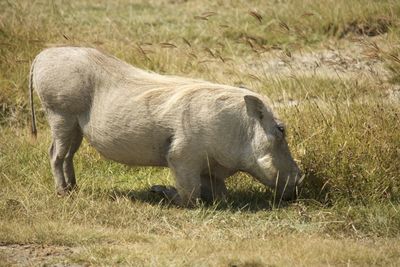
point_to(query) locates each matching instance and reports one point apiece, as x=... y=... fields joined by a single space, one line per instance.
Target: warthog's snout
x=290 y=191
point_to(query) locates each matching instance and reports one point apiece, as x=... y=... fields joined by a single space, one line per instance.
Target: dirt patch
x=36 y=255
x=345 y=60
x=367 y=28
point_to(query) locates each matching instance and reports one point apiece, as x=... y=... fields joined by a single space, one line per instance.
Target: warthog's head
x=268 y=158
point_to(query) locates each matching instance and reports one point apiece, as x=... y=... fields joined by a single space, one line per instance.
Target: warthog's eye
x=281 y=128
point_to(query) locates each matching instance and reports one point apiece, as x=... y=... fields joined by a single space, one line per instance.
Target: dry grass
x=343 y=132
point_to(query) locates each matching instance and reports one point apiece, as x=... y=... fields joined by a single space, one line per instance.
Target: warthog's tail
x=33 y=116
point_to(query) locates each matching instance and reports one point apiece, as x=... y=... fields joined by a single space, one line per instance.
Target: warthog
x=204 y=132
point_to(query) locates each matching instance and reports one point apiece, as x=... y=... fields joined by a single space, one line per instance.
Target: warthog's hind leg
x=69 y=171
x=56 y=167
x=62 y=127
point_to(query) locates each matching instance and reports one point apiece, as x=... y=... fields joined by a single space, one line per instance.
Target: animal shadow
x=244 y=200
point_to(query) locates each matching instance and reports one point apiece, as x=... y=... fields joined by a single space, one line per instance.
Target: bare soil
x=35 y=255
x=344 y=59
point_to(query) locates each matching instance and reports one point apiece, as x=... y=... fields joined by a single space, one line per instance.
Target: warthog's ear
x=254 y=106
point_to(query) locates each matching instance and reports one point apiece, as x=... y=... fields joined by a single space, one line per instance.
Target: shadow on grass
x=315 y=189
x=243 y=200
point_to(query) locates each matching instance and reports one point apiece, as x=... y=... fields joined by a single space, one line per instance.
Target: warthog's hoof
x=171 y=194
x=168 y=192
x=66 y=191
x=62 y=192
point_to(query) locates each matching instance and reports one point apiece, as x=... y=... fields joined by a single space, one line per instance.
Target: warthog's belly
x=128 y=142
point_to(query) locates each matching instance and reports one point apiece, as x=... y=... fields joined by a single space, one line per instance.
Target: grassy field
x=332 y=72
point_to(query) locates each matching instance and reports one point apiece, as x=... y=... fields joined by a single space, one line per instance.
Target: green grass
x=344 y=133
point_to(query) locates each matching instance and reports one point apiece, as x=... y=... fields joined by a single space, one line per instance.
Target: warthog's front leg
x=213 y=188
x=187 y=191
x=188 y=185
x=187 y=177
